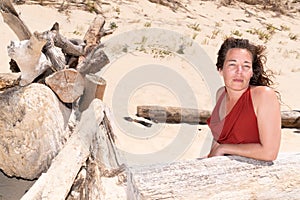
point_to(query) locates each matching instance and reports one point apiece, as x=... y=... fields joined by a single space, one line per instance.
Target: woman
x=246 y=120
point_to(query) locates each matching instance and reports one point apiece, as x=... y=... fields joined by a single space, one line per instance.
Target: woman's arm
x=268 y=115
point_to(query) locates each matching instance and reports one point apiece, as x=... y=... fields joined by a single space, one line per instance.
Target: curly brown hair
x=260 y=77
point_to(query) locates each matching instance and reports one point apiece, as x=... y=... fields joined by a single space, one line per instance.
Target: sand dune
x=206 y=23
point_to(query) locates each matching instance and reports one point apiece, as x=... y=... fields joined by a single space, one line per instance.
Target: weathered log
x=8 y=80
x=94 y=58
x=93 y=35
x=32 y=124
x=103 y=176
x=55 y=55
x=290 y=119
x=29 y=57
x=69 y=47
x=68 y=84
x=221 y=177
x=12 y=19
x=94 y=62
x=94 y=87
x=169 y=114
x=88 y=140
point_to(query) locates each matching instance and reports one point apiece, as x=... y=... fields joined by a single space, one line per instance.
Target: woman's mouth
x=238 y=80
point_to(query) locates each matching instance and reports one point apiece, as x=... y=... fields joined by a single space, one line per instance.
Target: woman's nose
x=239 y=68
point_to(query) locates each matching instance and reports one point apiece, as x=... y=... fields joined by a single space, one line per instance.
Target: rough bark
x=94 y=88
x=29 y=58
x=89 y=151
x=218 y=178
x=102 y=177
x=32 y=124
x=8 y=80
x=69 y=47
x=94 y=62
x=68 y=84
x=94 y=58
x=169 y=114
x=12 y=19
x=290 y=119
x=56 y=183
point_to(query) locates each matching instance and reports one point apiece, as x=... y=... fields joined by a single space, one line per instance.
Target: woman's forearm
x=251 y=150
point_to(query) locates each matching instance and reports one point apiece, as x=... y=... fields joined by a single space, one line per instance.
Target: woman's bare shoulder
x=263 y=95
x=262 y=92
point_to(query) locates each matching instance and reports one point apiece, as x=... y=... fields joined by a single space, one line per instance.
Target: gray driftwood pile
x=52 y=77
x=70 y=150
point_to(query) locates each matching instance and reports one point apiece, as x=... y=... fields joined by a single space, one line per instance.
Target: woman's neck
x=233 y=95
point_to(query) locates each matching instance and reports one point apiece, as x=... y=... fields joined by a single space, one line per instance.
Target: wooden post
x=94 y=88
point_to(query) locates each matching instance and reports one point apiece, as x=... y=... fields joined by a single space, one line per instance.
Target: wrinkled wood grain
x=230 y=177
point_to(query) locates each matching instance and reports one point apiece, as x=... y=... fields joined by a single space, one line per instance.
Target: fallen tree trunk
x=32 y=127
x=290 y=119
x=221 y=177
x=56 y=183
x=90 y=146
x=169 y=114
x=173 y=114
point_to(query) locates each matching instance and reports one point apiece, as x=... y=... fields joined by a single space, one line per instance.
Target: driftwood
x=55 y=184
x=34 y=62
x=11 y=18
x=169 y=114
x=90 y=146
x=68 y=84
x=50 y=49
x=8 y=80
x=94 y=88
x=94 y=58
x=221 y=177
x=173 y=114
x=32 y=127
x=290 y=119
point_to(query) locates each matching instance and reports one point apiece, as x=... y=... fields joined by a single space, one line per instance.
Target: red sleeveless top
x=239 y=126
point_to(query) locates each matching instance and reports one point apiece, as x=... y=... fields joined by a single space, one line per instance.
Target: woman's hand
x=216 y=150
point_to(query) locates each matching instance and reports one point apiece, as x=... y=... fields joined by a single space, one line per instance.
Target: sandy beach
x=206 y=24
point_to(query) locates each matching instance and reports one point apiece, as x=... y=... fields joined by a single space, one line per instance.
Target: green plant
x=160 y=53
x=195 y=27
x=214 y=34
x=147 y=24
x=113 y=25
x=218 y=24
x=237 y=33
x=194 y=35
x=293 y=36
x=271 y=29
x=205 y=41
x=284 y=28
x=117 y=9
x=262 y=35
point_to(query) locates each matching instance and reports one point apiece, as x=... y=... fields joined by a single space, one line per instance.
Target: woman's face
x=237 y=69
